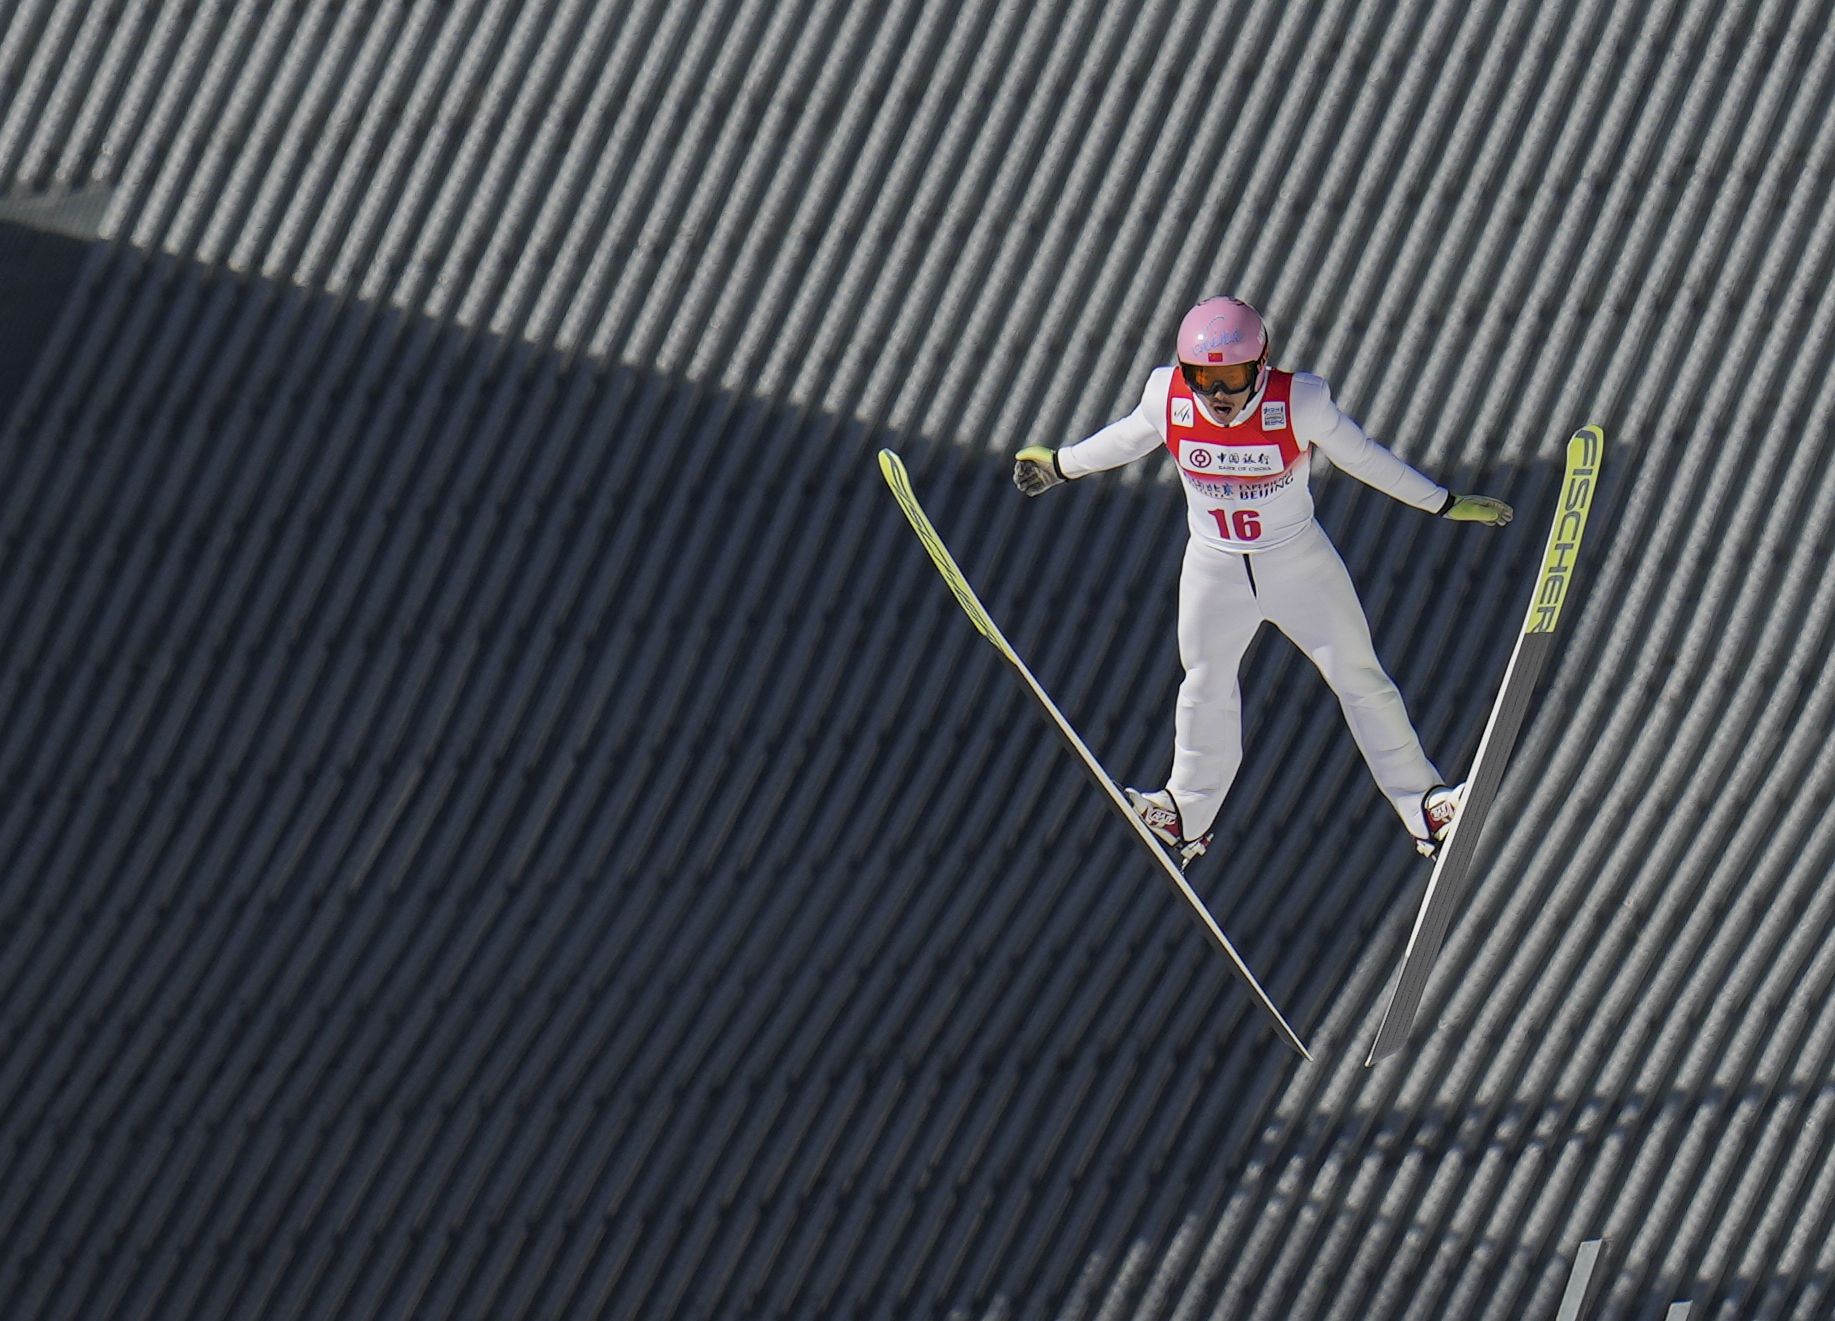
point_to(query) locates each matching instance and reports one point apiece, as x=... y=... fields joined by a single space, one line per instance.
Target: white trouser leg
x=1306 y=592
x=1218 y=618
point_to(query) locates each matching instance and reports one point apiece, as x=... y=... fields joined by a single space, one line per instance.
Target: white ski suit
x=1257 y=553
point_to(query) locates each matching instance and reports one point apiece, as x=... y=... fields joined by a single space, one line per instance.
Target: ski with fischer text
x=1453 y=866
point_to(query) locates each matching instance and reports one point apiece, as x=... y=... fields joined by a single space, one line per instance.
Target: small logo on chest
x=1274 y=415
x=1181 y=413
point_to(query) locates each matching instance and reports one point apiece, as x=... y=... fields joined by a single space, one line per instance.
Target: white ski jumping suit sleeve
x=1319 y=421
x=1124 y=440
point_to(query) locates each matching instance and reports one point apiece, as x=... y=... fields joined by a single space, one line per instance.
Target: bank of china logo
x=1181 y=412
x=1274 y=416
x=1235 y=461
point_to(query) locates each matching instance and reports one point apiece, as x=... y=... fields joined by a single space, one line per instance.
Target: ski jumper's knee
x=1359 y=680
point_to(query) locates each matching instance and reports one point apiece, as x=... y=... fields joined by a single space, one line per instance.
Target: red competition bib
x=1246 y=484
x=1219 y=460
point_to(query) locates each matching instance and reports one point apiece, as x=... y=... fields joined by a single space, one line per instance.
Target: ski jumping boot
x=1162 y=817
x=1439 y=805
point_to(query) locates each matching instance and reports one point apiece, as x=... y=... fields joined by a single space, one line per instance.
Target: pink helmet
x=1223 y=332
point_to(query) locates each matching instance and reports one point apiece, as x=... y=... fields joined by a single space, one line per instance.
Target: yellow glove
x=1036 y=471
x=1476 y=509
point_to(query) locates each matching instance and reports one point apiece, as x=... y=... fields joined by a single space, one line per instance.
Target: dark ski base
x=1452 y=870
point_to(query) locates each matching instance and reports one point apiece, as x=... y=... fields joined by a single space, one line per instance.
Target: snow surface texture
x=502 y=819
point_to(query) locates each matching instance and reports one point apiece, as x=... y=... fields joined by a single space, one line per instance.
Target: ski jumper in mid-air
x=1242 y=435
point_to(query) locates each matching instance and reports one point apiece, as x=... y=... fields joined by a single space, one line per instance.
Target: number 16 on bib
x=1453 y=867
x=1238 y=525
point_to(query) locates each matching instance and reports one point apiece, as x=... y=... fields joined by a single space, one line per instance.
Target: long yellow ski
x=1452 y=870
x=900 y=482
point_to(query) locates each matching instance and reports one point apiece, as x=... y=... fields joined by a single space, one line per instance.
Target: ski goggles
x=1220 y=378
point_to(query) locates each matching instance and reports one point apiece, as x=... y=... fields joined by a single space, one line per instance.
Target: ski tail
x=900 y=481
x=1446 y=888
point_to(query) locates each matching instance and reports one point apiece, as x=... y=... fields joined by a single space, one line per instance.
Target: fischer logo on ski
x=1570 y=522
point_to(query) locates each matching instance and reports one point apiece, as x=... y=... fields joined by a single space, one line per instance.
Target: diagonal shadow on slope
x=506 y=833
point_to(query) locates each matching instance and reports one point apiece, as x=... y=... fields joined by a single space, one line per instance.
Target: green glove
x=1036 y=471
x=1476 y=509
